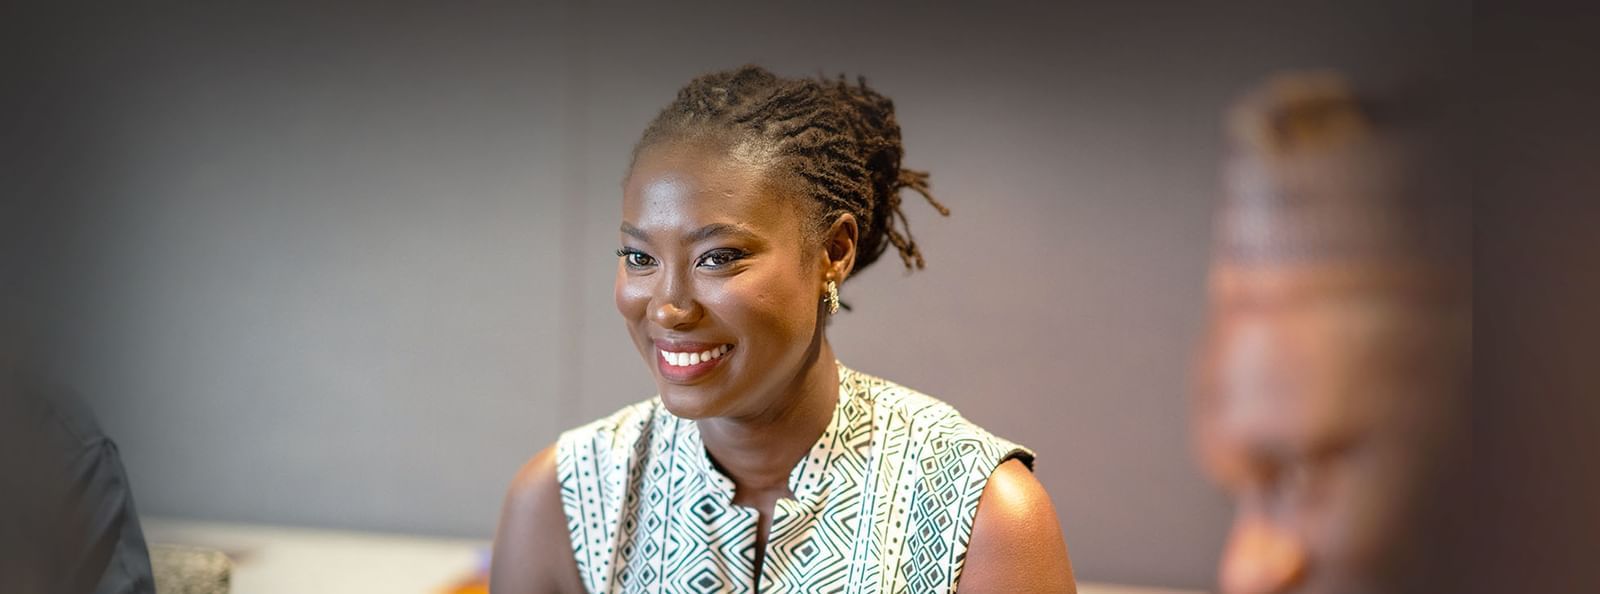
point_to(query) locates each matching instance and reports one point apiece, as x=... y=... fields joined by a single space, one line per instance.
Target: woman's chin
x=689 y=404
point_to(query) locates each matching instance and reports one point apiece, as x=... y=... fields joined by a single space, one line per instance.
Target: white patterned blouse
x=884 y=503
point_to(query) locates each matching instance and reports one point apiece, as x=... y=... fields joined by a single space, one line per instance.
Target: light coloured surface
x=189 y=570
x=277 y=559
x=1094 y=588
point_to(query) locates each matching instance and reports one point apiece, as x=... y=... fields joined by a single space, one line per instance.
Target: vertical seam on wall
x=574 y=176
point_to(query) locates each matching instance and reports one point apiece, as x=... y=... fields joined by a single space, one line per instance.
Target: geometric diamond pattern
x=883 y=503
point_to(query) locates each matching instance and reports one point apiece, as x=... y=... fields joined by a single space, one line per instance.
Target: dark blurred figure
x=1537 y=295
x=67 y=520
x=1332 y=392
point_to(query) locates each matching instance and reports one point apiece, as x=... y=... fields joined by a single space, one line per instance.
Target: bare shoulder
x=1016 y=543
x=532 y=551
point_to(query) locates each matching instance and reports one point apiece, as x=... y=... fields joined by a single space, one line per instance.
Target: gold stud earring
x=833 y=298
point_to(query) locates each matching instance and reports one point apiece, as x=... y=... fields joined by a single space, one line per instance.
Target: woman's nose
x=674 y=308
x=1262 y=558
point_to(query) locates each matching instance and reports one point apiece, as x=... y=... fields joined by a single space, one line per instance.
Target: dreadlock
x=839 y=140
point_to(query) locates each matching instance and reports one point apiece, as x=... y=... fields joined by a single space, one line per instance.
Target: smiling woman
x=765 y=465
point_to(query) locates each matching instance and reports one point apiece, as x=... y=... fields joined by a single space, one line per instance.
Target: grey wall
x=349 y=267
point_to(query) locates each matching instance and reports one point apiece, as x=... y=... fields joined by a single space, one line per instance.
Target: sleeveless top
x=884 y=502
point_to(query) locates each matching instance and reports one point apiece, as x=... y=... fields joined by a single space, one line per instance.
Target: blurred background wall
x=348 y=265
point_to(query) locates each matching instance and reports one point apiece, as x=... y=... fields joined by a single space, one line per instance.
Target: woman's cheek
x=745 y=295
x=631 y=295
x=776 y=305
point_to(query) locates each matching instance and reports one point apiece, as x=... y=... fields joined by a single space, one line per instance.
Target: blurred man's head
x=1330 y=389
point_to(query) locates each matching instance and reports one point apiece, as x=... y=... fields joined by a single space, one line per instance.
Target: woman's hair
x=838 y=142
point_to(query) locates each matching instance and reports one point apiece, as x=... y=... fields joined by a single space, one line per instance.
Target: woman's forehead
x=695 y=165
x=681 y=191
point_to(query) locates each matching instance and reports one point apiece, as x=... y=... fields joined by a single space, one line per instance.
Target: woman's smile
x=686 y=362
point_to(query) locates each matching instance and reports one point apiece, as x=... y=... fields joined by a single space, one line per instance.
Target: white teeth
x=687 y=359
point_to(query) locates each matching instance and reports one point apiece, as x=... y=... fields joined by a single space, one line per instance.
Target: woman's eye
x=720 y=258
x=635 y=258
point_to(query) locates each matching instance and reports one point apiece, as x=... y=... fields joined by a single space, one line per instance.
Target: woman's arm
x=1016 y=543
x=532 y=551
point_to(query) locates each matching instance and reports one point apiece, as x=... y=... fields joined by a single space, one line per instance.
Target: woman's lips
x=686 y=361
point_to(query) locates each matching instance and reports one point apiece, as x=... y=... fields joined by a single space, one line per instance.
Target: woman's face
x=716 y=282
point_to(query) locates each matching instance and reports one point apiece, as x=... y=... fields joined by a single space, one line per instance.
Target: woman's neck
x=760 y=451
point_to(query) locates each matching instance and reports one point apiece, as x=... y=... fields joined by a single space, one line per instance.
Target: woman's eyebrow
x=636 y=232
x=698 y=235
x=719 y=230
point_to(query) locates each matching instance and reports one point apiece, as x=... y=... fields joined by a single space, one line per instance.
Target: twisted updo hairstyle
x=837 y=142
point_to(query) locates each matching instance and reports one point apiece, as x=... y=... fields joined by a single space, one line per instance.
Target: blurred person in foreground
x=1331 y=392
x=67 y=519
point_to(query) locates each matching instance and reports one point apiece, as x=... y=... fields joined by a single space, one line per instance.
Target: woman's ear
x=839 y=247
